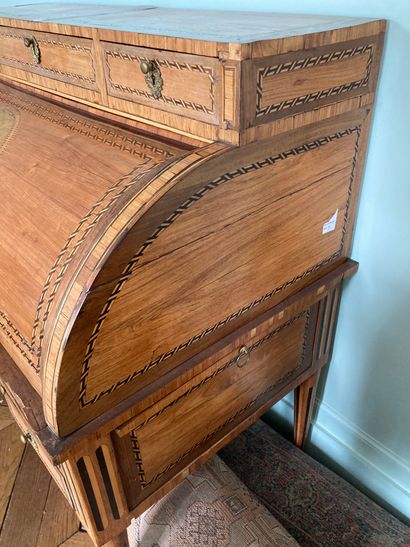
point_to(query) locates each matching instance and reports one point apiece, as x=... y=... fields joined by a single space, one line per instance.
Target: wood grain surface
x=171 y=262
x=98 y=64
x=115 y=471
x=74 y=168
x=204 y=246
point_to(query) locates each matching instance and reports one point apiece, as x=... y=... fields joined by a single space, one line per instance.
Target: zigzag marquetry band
x=126 y=274
x=308 y=62
x=168 y=64
x=50 y=70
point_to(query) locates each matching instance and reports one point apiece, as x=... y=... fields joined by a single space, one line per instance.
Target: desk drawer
x=251 y=370
x=186 y=84
x=304 y=80
x=58 y=58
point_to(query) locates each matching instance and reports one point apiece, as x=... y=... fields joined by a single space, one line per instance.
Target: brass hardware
x=28 y=437
x=243 y=356
x=146 y=66
x=152 y=77
x=32 y=43
x=2 y=390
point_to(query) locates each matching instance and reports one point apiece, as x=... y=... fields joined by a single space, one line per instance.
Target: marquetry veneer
x=177 y=213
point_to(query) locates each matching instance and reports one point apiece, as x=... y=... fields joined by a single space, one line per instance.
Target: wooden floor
x=33 y=512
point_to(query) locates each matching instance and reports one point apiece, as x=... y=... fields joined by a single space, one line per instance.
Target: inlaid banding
x=210 y=186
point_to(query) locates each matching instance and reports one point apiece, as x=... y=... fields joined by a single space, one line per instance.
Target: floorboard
x=11 y=452
x=33 y=511
x=80 y=539
x=59 y=520
x=6 y=418
x=27 y=503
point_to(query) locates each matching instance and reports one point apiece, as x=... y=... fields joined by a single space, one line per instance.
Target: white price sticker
x=330 y=225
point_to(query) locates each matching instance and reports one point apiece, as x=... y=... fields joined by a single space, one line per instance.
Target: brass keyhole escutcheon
x=153 y=77
x=31 y=42
x=243 y=356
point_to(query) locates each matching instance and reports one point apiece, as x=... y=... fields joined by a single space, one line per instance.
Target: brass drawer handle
x=32 y=43
x=243 y=356
x=152 y=77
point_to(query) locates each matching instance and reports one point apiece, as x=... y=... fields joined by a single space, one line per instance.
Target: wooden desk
x=178 y=202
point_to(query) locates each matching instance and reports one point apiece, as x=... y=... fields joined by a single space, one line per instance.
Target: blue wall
x=362 y=426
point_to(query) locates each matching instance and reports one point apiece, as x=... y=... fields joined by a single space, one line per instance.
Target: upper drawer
x=64 y=58
x=183 y=84
x=307 y=79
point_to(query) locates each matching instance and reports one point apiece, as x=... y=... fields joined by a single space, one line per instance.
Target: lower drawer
x=256 y=365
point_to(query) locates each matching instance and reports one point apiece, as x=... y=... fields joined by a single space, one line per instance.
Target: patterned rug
x=210 y=508
x=315 y=505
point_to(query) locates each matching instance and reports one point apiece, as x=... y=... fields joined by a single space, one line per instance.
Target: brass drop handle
x=153 y=77
x=31 y=42
x=243 y=356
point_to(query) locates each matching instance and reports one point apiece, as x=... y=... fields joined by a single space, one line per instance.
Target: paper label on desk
x=330 y=225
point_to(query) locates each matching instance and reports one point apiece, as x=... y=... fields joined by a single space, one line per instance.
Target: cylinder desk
x=178 y=196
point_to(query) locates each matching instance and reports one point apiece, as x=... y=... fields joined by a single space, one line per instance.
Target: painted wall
x=362 y=426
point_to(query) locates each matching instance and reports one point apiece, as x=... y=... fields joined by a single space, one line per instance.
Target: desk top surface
x=217 y=26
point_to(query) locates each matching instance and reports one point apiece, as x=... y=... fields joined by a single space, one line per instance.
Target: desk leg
x=304 y=401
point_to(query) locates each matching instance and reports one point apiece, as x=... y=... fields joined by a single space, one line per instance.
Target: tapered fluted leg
x=304 y=401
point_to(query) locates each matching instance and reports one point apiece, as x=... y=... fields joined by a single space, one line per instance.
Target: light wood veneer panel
x=279 y=241
x=189 y=81
x=225 y=388
x=52 y=196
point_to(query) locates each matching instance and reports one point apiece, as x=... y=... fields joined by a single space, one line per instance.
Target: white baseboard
x=372 y=464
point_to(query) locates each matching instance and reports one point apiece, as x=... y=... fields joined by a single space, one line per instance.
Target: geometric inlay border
x=138 y=460
x=48 y=71
x=307 y=62
x=44 y=70
x=127 y=272
x=182 y=103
